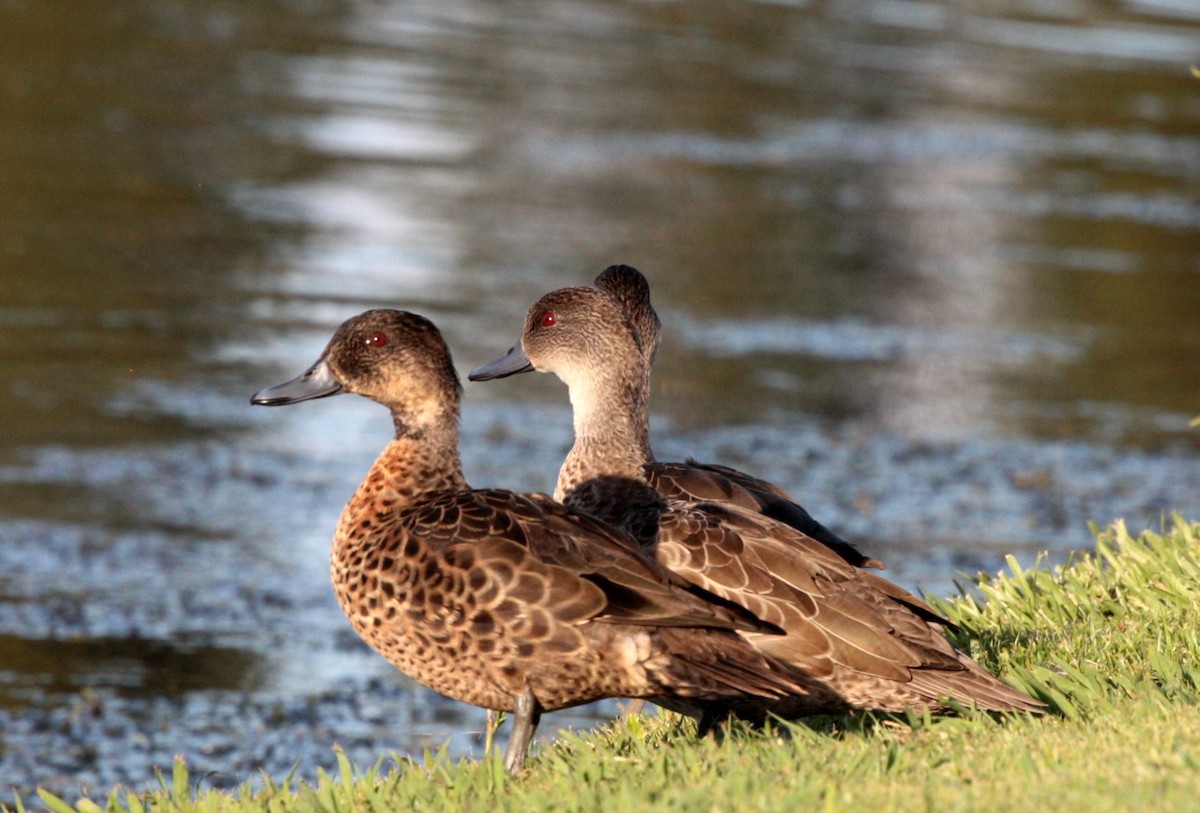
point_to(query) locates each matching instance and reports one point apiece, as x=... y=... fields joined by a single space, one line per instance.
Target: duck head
x=396 y=358
x=578 y=334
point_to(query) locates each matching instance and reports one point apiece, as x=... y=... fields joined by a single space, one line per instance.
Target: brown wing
x=567 y=560
x=515 y=597
x=709 y=482
x=832 y=613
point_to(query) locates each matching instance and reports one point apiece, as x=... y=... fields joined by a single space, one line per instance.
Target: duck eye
x=549 y=319
x=377 y=339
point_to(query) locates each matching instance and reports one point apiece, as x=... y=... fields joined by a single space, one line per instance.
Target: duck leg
x=634 y=707
x=526 y=714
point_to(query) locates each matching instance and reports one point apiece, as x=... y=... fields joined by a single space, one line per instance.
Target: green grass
x=1111 y=641
x=1107 y=627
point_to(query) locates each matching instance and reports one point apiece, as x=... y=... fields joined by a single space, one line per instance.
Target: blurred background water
x=933 y=266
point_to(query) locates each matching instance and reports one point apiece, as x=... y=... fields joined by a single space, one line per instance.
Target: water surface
x=932 y=266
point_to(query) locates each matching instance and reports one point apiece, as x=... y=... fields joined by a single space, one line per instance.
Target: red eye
x=549 y=319
x=377 y=339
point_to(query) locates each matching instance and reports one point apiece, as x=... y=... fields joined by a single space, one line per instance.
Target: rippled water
x=933 y=266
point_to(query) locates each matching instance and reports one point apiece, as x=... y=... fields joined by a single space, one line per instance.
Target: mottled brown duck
x=508 y=601
x=874 y=644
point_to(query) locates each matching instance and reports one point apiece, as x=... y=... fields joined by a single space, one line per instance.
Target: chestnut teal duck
x=508 y=601
x=870 y=643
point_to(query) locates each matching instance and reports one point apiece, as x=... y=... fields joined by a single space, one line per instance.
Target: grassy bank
x=1111 y=641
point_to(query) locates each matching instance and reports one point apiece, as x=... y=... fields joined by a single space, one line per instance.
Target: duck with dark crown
x=509 y=601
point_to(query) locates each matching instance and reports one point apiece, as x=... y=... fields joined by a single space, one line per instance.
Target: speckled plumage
x=871 y=643
x=508 y=601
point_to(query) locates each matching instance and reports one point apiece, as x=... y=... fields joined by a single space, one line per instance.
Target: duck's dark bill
x=510 y=363
x=315 y=382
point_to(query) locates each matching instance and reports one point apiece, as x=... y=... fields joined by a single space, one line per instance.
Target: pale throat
x=610 y=432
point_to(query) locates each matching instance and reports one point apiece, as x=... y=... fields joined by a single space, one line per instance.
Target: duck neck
x=417 y=464
x=612 y=433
